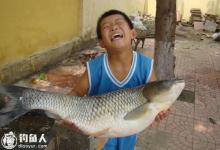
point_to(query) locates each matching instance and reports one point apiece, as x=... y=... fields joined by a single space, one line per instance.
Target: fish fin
x=52 y=115
x=97 y=143
x=99 y=133
x=10 y=105
x=137 y=112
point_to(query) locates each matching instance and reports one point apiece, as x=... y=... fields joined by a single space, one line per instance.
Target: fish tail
x=10 y=103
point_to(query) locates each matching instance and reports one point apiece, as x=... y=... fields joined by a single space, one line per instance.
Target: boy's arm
x=153 y=76
x=81 y=87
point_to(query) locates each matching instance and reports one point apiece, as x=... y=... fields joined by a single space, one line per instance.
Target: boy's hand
x=160 y=116
x=66 y=80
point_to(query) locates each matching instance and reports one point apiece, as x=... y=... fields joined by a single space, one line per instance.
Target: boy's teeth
x=116 y=36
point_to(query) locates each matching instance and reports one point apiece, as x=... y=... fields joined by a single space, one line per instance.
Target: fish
x=115 y=114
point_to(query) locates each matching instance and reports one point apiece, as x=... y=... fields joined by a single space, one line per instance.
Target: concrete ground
x=191 y=124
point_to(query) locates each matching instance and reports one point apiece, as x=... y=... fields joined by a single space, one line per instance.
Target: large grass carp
x=115 y=114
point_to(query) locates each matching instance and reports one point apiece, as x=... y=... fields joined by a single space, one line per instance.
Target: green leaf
x=42 y=76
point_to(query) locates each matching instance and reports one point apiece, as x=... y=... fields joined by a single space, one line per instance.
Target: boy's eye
x=106 y=26
x=119 y=22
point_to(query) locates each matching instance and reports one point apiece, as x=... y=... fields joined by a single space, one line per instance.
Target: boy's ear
x=133 y=34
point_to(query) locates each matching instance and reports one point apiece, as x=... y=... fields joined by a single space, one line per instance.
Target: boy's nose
x=114 y=27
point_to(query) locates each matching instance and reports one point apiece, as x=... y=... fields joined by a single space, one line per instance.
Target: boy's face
x=116 y=33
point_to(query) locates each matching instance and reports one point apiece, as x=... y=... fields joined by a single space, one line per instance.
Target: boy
x=119 y=68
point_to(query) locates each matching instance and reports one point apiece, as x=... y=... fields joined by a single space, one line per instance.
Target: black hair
x=109 y=13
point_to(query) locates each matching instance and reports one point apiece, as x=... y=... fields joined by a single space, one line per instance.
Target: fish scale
x=85 y=112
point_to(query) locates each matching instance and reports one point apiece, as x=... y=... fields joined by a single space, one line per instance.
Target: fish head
x=164 y=90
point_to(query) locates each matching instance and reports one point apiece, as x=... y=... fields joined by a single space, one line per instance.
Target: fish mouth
x=116 y=36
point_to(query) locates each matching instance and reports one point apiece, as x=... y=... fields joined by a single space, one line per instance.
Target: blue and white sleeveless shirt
x=102 y=80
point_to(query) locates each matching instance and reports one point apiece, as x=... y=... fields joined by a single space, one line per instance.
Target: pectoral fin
x=97 y=143
x=137 y=112
x=99 y=133
x=52 y=115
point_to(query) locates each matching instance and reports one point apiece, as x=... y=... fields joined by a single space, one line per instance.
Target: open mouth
x=116 y=36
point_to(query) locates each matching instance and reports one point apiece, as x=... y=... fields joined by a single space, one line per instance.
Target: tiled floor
x=190 y=126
